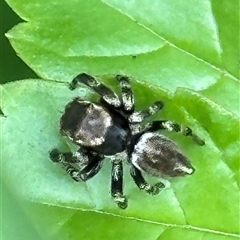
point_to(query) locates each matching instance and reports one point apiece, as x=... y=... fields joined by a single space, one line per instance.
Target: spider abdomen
x=159 y=156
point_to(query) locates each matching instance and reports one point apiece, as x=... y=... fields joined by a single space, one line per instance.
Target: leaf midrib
x=168 y=225
x=222 y=70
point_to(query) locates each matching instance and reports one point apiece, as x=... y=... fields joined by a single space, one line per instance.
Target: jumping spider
x=111 y=127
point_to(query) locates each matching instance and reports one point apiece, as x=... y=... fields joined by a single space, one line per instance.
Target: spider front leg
x=173 y=126
x=127 y=94
x=136 y=118
x=117 y=183
x=107 y=94
x=142 y=184
x=89 y=164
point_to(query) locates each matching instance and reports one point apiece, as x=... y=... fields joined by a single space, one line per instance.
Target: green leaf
x=173 y=41
x=176 y=51
x=199 y=201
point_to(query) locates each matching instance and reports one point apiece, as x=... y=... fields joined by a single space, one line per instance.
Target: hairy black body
x=112 y=127
x=97 y=127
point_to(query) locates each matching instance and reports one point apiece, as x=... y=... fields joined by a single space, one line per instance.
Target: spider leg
x=117 y=183
x=91 y=170
x=89 y=164
x=173 y=126
x=127 y=94
x=142 y=184
x=138 y=117
x=107 y=94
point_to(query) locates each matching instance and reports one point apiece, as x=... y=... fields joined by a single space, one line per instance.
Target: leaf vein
x=169 y=225
x=223 y=71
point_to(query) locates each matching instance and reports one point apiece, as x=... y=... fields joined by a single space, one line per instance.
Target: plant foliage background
x=184 y=52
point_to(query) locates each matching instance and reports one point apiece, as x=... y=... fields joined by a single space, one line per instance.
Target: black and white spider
x=112 y=128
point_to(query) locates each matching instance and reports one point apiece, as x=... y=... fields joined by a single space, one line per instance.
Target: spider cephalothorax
x=111 y=127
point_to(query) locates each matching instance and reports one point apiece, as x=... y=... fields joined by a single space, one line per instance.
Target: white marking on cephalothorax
x=97 y=141
x=105 y=115
x=81 y=101
x=94 y=126
x=93 y=142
